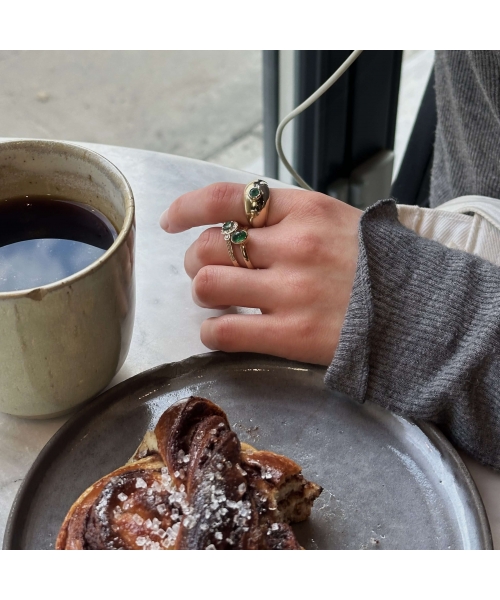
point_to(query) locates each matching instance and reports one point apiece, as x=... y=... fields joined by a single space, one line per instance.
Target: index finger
x=221 y=202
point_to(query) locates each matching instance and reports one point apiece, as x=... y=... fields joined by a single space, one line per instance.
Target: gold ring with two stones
x=234 y=234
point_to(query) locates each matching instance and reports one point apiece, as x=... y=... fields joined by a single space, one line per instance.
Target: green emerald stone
x=239 y=237
x=227 y=226
x=254 y=192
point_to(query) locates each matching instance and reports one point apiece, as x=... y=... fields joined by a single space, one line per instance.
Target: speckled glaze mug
x=62 y=343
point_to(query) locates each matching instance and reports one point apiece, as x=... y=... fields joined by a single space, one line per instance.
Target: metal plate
x=388 y=482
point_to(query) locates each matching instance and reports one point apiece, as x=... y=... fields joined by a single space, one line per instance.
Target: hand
x=305 y=262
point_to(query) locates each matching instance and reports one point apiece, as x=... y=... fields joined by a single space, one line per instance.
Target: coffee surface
x=44 y=239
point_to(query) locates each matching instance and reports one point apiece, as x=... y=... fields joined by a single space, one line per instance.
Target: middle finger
x=210 y=249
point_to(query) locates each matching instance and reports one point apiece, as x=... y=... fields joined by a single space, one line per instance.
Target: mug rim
x=118 y=242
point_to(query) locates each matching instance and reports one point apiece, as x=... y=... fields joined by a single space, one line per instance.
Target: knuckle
x=205 y=283
x=219 y=200
x=223 y=333
x=307 y=245
x=311 y=244
x=307 y=329
x=205 y=244
x=320 y=206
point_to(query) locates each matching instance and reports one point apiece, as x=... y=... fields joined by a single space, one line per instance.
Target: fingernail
x=206 y=341
x=164 y=220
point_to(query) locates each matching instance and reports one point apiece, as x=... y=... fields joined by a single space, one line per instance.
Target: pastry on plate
x=192 y=485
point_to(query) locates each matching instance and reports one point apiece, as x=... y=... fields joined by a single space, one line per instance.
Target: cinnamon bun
x=192 y=485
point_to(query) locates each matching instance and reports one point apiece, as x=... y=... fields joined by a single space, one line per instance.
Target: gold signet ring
x=256 y=199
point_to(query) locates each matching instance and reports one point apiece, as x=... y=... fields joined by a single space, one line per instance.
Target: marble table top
x=167 y=322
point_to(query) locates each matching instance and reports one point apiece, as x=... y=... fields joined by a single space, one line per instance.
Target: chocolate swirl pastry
x=192 y=485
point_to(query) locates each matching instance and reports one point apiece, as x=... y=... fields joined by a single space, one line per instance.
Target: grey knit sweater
x=421 y=335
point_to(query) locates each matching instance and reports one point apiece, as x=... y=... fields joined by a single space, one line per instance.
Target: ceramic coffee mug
x=62 y=343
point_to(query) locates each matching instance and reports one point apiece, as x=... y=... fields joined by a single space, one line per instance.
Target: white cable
x=306 y=104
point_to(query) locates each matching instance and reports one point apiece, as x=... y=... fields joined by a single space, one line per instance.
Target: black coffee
x=44 y=239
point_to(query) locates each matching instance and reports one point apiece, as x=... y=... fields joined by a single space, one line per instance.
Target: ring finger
x=215 y=286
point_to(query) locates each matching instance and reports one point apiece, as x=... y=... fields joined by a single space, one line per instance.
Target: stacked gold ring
x=234 y=234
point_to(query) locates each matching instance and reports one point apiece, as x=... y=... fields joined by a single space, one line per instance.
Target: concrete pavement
x=191 y=103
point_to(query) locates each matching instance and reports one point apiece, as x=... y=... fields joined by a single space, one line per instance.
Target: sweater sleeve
x=421 y=336
x=467 y=143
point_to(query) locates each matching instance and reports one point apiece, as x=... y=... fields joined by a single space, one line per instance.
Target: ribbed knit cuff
x=349 y=370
